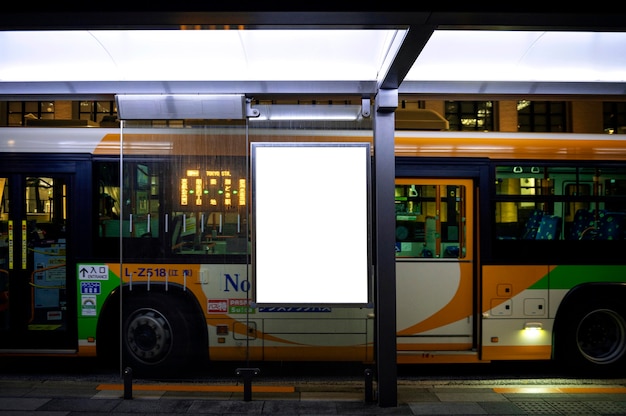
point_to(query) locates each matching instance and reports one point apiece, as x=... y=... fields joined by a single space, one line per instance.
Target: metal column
x=386 y=103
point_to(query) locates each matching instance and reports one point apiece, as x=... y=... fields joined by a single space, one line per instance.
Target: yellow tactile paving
x=203 y=388
x=586 y=390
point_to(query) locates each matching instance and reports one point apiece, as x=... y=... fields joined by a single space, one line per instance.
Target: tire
x=158 y=335
x=594 y=341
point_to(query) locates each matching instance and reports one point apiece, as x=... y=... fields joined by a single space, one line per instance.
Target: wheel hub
x=148 y=335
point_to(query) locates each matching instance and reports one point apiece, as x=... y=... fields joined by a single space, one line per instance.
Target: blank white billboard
x=311 y=228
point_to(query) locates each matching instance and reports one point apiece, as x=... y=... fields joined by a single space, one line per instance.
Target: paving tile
x=418 y=396
x=470 y=397
x=537 y=407
x=606 y=407
x=501 y=408
x=438 y=408
x=14 y=391
x=153 y=406
x=332 y=396
x=573 y=408
x=226 y=407
x=79 y=405
x=293 y=407
x=347 y=408
x=20 y=403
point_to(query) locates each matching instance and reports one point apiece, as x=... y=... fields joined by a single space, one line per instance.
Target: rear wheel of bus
x=593 y=339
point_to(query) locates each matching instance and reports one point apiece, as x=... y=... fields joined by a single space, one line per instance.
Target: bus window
x=132 y=212
x=570 y=205
x=210 y=208
x=429 y=220
x=173 y=207
x=525 y=200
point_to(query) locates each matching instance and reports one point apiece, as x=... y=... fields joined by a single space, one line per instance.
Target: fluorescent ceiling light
x=196 y=55
x=492 y=55
x=180 y=106
x=337 y=112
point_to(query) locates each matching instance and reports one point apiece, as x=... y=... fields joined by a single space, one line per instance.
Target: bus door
x=34 y=296
x=435 y=270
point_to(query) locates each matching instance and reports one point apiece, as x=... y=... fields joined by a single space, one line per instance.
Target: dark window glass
x=22 y=111
x=470 y=115
x=98 y=111
x=541 y=116
x=614 y=118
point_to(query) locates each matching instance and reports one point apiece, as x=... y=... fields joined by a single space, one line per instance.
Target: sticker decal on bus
x=295 y=309
x=92 y=272
x=88 y=305
x=90 y=288
x=239 y=306
x=217 y=306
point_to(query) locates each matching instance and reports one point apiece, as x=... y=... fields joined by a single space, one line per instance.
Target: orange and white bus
x=508 y=247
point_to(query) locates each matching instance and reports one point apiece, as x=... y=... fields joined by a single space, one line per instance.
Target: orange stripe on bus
x=189 y=387
x=499 y=146
x=188 y=143
x=434 y=347
x=87 y=351
x=439 y=359
x=522 y=352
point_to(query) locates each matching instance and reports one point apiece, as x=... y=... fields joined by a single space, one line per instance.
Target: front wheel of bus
x=157 y=334
x=596 y=338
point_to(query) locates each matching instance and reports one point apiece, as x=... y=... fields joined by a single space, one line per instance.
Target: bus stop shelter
x=371 y=55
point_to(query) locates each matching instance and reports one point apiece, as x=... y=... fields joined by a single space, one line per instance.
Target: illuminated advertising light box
x=311 y=233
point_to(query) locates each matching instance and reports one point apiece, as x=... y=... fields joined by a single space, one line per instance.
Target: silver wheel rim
x=149 y=336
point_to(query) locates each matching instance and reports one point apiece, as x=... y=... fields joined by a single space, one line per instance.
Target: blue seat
x=549 y=228
x=532 y=225
x=583 y=220
x=610 y=226
x=451 y=252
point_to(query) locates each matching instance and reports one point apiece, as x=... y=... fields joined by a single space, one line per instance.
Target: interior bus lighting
x=309 y=112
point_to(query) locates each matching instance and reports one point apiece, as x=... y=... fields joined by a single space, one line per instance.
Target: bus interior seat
x=529 y=231
x=451 y=252
x=549 y=227
x=583 y=220
x=532 y=225
x=610 y=226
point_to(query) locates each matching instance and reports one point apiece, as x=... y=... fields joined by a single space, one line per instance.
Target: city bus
x=509 y=246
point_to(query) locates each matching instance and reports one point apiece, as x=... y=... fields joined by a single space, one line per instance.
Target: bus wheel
x=157 y=334
x=596 y=339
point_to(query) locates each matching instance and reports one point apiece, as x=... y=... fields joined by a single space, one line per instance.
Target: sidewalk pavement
x=77 y=397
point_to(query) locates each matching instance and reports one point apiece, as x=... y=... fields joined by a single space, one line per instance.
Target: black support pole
x=369 y=385
x=128 y=383
x=247 y=374
x=385 y=270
